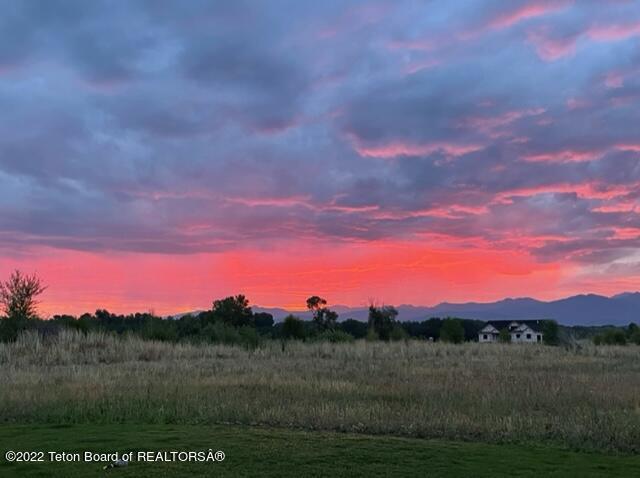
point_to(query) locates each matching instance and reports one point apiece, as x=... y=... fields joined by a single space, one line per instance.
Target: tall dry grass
x=586 y=398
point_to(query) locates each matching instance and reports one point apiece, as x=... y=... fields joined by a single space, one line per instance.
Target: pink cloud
x=614 y=32
x=563 y=156
x=300 y=201
x=576 y=103
x=614 y=79
x=526 y=12
x=626 y=233
x=629 y=147
x=419 y=65
x=585 y=191
x=491 y=125
x=397 y=148
x=615 y=208
x=273 y=202
x=453 y=211
x=551 y=49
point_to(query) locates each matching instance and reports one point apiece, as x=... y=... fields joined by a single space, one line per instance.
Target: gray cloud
x=201 y=126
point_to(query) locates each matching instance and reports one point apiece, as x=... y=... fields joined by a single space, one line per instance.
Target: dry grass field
x=586 y=398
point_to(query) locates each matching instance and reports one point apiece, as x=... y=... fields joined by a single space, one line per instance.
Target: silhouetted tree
x=431 y=328
x=263 y=320
x=633 y=334
x=315 y=303
x=354 y=327
x=323 y=317
x=471 y=328
x=293 y=328
x=18 y=301
x=382 y=320
x=18 y=296
x=550 y=332
x=233 y=310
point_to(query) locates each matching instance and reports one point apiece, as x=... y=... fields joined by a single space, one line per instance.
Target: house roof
x=535 y=325
x=488 y=329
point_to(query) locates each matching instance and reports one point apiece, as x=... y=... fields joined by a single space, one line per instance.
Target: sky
x=156 y=155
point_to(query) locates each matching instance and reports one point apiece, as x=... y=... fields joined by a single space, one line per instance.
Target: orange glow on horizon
x=347 y=274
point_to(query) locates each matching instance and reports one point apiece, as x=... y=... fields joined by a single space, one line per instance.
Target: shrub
x=263 y=321
x=504 y=336
x=249 y=337
x=293 y=328
x=355 y=328
x=611 y=337
x=452 y=331
x=160 y=329
x=633 y=334
x=219 y=332
x=398 y=333
x=550 y=332
x=372 y=335
x=634 y=338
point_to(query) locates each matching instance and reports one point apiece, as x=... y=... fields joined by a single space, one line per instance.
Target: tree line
x=231 y=320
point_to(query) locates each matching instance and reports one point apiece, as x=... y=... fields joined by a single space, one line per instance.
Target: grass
x=270 y=452
x=581 y=399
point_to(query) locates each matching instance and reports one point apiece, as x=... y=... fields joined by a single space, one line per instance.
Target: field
x=585 y=400
x=252 y=451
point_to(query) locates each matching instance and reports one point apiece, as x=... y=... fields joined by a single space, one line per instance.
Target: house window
x=484 y=337
x=528 y=336
x=539 y=337
x=517 y=336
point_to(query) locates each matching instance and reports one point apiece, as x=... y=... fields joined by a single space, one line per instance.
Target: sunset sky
x=156 y=155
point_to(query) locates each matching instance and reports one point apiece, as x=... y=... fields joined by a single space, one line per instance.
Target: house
x=520 y=331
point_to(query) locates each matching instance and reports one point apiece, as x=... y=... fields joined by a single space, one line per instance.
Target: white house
x=520 y=331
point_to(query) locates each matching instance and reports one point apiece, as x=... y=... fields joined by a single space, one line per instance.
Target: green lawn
x=264 y=452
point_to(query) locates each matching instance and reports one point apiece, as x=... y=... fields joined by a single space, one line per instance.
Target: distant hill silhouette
x=584 y=309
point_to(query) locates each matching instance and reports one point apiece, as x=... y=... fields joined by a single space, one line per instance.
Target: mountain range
x=584 y=309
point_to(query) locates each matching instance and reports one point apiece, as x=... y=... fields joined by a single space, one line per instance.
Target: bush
x=452 y=331
x=219 y=332
x=249 y=337
x=372 y=335
x=160 y=329
x=634 y=338
x=263 y=322
x=504 y=336
x=355 y=328
x=633 y=334
x=550 y=332
x=398 y=333
x=611 y=337
x=9 y=330
x=71 y=323
x=293 y=328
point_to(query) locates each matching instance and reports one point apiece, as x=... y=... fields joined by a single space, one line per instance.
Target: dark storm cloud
x=185 y=127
